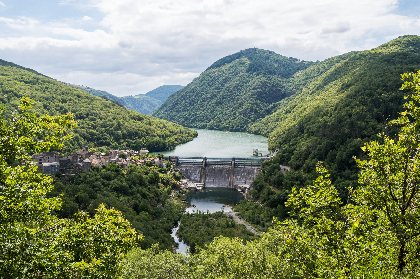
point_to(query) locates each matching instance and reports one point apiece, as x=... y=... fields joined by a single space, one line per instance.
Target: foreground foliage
x=198 y=229
x=33 y=242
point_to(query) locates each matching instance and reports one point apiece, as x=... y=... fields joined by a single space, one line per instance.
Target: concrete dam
x=219 y=172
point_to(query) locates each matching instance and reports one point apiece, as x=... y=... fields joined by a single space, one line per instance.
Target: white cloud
x=137 y=45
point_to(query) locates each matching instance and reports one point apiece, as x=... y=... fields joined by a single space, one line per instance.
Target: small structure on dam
x=219 y=172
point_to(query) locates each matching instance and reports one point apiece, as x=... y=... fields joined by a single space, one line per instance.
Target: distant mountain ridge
x=151 y=101
x=146 y=103
x=234 y=92
x=101 y=93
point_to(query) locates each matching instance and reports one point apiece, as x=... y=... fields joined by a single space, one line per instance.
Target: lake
x=221 y=144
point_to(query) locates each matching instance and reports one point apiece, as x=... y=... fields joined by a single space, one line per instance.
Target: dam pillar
x=203 y=172
x=232 y=174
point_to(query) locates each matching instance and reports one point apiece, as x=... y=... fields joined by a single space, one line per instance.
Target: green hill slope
x=340 y=104
x=100 y=122
x=234 y=92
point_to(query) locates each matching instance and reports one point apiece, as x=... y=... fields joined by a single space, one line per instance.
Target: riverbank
x=238 y=220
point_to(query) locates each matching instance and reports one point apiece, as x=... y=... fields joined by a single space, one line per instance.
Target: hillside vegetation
x=100 y=122
x=141 y=193
x=340 y=104
x=234 y=92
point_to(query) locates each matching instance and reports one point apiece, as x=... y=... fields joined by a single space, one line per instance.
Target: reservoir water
x=212 y=199
x=221 y=144
x=216 y=144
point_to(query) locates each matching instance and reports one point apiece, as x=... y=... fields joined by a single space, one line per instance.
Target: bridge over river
x=219 y=172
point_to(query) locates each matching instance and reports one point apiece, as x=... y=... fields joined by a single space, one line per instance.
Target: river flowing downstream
x=216 y=144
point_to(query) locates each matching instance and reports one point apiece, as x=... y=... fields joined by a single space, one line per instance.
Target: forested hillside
x=100 y=122
x=340 y=103
x=234 y=92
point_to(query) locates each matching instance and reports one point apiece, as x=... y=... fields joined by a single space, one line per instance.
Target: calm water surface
x=220 y=144
x=212 y=199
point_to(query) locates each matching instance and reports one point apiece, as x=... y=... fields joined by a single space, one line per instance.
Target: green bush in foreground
x=33 y=242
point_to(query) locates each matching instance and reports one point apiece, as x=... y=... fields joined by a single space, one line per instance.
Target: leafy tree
x=198 y=229
x=141 y=193
x=33 y=242
x=390 y=177
x=154 y=263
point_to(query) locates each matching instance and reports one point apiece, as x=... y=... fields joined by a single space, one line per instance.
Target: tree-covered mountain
x=234 y=92
x=100 y=121
x=339 y=104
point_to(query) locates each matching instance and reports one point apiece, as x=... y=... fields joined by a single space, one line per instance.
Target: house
x=50 y=168
x=45 y=157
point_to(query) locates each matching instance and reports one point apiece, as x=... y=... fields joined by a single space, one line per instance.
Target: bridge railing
x=196 y=161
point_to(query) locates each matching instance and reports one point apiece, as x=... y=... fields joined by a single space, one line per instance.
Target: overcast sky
x=131 y=46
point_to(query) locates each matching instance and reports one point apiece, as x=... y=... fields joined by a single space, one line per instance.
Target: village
x=82 y=160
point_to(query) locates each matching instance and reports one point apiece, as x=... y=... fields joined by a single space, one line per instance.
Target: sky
x=127 y=47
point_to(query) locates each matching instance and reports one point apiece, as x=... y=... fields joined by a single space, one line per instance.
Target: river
x=216 y=144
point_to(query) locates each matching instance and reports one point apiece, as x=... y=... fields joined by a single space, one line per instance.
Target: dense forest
x=200 y=228
x=101 y=93
x=234 y=92
x=141 y=193
x=100 y=122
